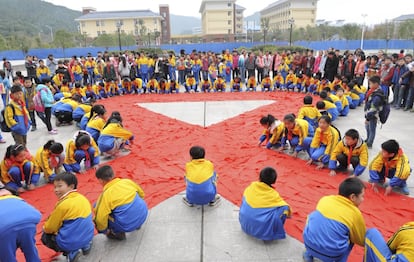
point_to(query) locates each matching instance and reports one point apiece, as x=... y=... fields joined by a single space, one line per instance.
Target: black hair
x=326 y=118
x=27 y=78
x=308 y=100
x=46 y=80
x=77 y=98
x=14 y=150
x=351 y=185
x=97 y=110
x=267 y=120
x=391 y=146
x=52 y=146
x=105 y=173
x=82 y=139
x=320 y=105
x=114 y=118
x=290 y=117
x=77 y=85
x=268 y=176
x=68 y=177
x=197 y=152
x=326 y=89
x=323 y=94
x=375 y=79
x=15 y=89
x=352 y=133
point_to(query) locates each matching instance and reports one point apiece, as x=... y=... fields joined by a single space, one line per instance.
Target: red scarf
x=321 y=137
x=24 y=112
x=369 y=92
x=87 y=159
x=350 y=155
x=387 y=162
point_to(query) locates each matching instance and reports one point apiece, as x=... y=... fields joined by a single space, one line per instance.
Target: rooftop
x=404 y=17
x=117 y=14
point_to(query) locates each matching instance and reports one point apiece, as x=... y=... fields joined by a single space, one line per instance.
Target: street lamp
x=363 y=32
x=118 y=26
x=291 y=21
x=51 y=32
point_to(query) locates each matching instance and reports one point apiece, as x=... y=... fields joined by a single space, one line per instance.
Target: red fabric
x=160 y=151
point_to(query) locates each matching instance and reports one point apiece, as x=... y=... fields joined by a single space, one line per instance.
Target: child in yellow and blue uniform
x=114 y=136
x=323 y=143
x=137 y=85
x=343 y=99
x=273 y=131
x=309 y=112
x=17 y=116
x=251 y=84
x=298 y=132
x=206 y=85
x=236 y=85
x=18 y=166
x=172 y=86
x=42 y=71
x=85 y=118
x=263 y=211
x=399 y=248
x=291 y=81
x=80 y=148
x=336 y=225
x=82 y=109
x=96 y=122
x=69 y=228
x=63 y=110
x=190 y=84
x=152 y=85
x=219 y=84
x=49 y=158
x=327 y=106
x=18 y=227
x=278 y=81
x=267 y=83
x=201 y=179
x=393 y=164
x=351 y=150
x=331 y=97
x=121 y=207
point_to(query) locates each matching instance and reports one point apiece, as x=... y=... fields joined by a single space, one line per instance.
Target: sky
x=351 y=11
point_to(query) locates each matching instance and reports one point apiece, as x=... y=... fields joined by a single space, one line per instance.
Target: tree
x=105 y=40
x=264 y=24
x=405 y=29
x=63 y=39
x=350 y=31
x=142 y=28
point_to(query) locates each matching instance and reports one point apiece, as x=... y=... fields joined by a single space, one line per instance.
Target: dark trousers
x=64 y=116
x=45 y=117
x=343 y=161
x=250 y=73
x=19 y=139
x=33 y=118
x=49 y=240
x=260 y=74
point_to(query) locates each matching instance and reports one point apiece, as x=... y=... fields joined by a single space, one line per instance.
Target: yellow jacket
x=402 y=242
x=329 y=138
x=399 y=162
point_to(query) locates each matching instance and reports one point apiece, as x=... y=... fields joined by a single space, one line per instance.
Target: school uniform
x=333 y=228
x=310 y=113
x=17 y=119
x=219 y=85
x=74 y=156
x=80 y=111
x=18 y=230
x=14 y=173
x=300 y=136
x=206 y=86
x=399 y=248
x=121 y=207
x=323 y=144
x=48 y=162
x=397 y=169
x=263 y=212
x=201 y=181
x=267 y=84
x=332 y=109
x=95 y=126
x=113 y=137
x=278 y=82
x=69 y=227
x=357 y=156
x=273 y=134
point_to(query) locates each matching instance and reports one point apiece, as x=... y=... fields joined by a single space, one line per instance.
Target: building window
x=229 y=4
x=103 y=32
x=98 y=33
x=97 y=23
x=155 y=21
x=164 y=14
x=229 y=22
x=83 y=24
x=102 y=23
x=229 y=31
x=229 y=13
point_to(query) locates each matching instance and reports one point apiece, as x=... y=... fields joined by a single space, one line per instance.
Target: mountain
x=34 y=17
x=182 y=25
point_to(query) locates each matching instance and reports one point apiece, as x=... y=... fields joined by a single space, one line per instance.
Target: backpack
x=4 y=127
x=385 y=108
x=37 y=101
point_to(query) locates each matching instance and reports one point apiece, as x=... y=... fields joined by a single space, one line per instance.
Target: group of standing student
x=69 y=229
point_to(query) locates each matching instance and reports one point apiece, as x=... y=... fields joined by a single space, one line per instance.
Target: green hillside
x=32 y=18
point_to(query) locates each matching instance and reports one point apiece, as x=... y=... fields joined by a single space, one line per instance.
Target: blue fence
x=218 y=47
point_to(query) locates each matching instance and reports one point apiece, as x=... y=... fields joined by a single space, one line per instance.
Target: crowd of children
x=77 y=85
